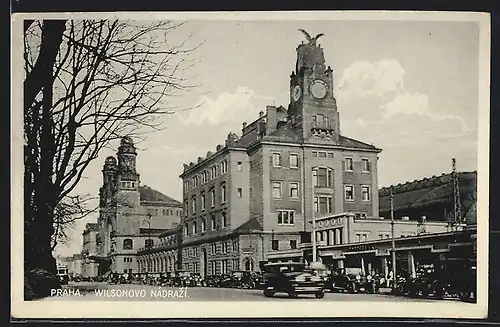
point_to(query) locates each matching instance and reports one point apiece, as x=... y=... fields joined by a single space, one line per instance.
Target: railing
x=322 y=125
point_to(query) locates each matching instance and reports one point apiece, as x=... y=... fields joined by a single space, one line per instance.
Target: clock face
x=318 y=89
x=297 y=92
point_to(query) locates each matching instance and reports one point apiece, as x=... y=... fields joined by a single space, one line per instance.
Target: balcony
x=322 y=126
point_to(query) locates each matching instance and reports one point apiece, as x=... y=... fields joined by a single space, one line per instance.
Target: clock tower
x=313 y=108
x=128 y=184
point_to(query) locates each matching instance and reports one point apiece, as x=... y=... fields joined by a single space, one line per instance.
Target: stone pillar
x=411 y=265
x=369 y=272
x=331 y=237
x=340 y=264
x=363 y=265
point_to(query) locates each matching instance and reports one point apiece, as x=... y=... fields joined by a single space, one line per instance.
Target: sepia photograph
x=250 y=164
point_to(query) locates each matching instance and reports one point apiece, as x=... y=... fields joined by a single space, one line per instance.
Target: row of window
x=212 y=196
x=203 y=225
x=164 y=212
x=207 y=175
x=293 y=159
x=128 y=243
x=225 y=247
x=330 y=237
x=127 y=260
x=293 y=189
x=275 y=244
x=322 y=204
x=128 y=185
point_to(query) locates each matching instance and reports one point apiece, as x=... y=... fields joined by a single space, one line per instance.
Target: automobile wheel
x=320 y=295
x=351 y=288
x=268 y=293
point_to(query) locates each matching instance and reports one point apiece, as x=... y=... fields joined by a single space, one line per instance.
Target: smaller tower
x=128 y=178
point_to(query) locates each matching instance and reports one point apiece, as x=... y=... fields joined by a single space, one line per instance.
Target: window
x=236 y=264
x=322 y=154
x=128 y=185
x=365 y=193
x=240 y=192
x=314 y=154
x=358 y=237
x=294 y=190
x=203 y=225
x=365 y=237
x=286 y=217
x=349 y=192
x=224 y=266
x=249 y=264
x=194 y=205
x=365 y=165
x=235 y=246
x=239 y=167
x=194 y=227
x=294 y=160
x=212 y=196
x=276 y=160
x=186 y=230
x=224 y=220
x=275 y=245
x=203 y=201
x=322 y=177
x=323 y=204
x=186 y=207
x=223 y=193
x=224 y=247
x=330 y=155
x=293 y=244
x=127 y=244
x=277 y=190
x=149 y=243
x=212 y=222
x=348 y=164
x=223 y=167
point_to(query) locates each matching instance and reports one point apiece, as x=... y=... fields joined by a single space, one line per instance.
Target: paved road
x=103 y=291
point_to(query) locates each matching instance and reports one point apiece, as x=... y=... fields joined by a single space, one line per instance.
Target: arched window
x=194 y=227
x=249 y=264
x=186 y=230
x=203 y=225
x=149 y=243
x=128 y=244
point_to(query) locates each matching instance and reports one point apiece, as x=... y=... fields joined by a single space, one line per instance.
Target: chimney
x=261 y=114
x=272 y=119
x=243 y=128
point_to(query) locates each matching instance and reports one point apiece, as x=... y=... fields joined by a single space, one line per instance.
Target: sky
x=408 y=87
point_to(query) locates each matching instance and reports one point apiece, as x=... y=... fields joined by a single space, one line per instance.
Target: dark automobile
x=181 y=278
x=225 y=280
x=242 y=279
x=372 y=284
x=257 y=280
x=293 y=279
x=351 y=280
x=212 y=280
x=426 y=284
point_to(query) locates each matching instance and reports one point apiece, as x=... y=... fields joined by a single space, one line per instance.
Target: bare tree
x=107 y=79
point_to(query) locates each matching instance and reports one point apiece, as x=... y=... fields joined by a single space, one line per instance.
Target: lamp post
x=393 y=245
x=313 y=216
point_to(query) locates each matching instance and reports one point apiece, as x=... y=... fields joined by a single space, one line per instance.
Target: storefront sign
x=361 y=247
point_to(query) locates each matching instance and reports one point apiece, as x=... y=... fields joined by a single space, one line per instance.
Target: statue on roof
x=312 y=40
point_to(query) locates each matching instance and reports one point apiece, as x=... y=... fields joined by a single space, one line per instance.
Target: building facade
x=132 y=216
x=90 y=249
x=256 y=193
x=162 y=257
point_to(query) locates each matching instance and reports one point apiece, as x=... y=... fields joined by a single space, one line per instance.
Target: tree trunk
x=41 y=192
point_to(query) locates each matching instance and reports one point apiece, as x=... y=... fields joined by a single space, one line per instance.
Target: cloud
x=378 y=78
x=243 y=104
x=417 y=139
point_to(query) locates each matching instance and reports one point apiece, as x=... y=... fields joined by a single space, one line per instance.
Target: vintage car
x=242 y=279
x=351 y=280
x=293 y=279
x=181 y=278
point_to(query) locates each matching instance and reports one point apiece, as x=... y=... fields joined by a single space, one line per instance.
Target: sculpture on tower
x=312 y=40
x=310 y=55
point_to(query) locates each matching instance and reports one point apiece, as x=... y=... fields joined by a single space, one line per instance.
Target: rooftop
x=151 y=195
x=433 y=190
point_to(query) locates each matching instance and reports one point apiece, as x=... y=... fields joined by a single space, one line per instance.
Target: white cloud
x=243 y=104
x=365 y=78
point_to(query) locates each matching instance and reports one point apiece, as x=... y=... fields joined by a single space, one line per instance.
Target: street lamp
x=313 y=215
x=393 y=245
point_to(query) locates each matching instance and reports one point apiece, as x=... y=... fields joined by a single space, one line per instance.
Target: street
x=130 y=292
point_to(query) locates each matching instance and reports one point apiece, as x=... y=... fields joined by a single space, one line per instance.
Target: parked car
x=292 y=278
x=212 y=280
x=351 y=280
x=426 y=284
x=372 y=284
